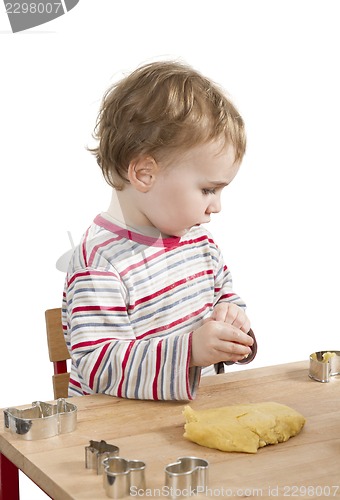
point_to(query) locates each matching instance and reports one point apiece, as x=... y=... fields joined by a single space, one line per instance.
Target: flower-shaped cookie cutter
x=187 y=476
x=121 y=475
x=96 y=452
x=323 y=365
x=41 y=420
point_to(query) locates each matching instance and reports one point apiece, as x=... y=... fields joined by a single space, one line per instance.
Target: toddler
x=148 y=301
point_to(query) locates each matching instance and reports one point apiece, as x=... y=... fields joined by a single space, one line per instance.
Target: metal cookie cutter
x=219 y=366
x=121 y=475
x=323 y=365
x=96 y=452
x=187 y=476
x=41 y=420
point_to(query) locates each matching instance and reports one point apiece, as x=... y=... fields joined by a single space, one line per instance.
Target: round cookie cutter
x=321 y=369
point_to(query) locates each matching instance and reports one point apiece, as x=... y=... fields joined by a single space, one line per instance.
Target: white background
x=279 y=61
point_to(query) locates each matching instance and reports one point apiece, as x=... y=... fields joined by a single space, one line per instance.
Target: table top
x=306 y=466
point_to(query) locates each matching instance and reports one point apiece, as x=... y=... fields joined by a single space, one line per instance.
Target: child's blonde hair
x=161 y=109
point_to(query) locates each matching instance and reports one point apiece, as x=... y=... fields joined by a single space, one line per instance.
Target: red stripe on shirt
x=158 y=368
x=75 y=382
x=91 y=343
x=124 y=363
x=227 y=296
x=98 y=308
x=97 y=364
x=100 y=245
x=173 y=286
x=164 y=250
x=142 y=262
x=177 y=322
x=89 y=273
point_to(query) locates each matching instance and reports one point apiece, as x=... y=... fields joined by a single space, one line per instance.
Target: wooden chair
x=58 y=352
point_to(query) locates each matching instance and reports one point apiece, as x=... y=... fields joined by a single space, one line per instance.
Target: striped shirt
x=130 y=305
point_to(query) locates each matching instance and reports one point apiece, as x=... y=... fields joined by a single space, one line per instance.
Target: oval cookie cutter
x=321 y=367
x=41 y=420
x=187 y=476
x=120 y=475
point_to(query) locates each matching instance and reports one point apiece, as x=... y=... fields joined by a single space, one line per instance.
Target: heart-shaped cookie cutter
x=323 y=367
x=41 y=420
x=96 y=452
x=121 y=475
x=187 y=476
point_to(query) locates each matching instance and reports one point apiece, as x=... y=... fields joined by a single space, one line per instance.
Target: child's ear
x=142 y=173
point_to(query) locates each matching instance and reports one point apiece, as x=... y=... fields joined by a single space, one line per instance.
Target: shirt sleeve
x=224 y=284
x=107 y=357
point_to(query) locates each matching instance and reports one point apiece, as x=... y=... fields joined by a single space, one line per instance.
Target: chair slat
x=60 y=385
x=56 y=342
x=58 y=352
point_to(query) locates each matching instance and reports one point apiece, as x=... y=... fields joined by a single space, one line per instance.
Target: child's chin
x=183 y=232
x=179 y=233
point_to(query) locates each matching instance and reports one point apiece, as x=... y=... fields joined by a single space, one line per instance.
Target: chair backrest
x=58 y=352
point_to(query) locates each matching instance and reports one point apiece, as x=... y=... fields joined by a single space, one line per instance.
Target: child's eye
x=208 y=191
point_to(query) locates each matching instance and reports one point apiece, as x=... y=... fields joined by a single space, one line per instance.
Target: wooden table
x=306 y=466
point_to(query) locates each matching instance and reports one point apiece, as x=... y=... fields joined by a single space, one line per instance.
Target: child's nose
x=214 y=206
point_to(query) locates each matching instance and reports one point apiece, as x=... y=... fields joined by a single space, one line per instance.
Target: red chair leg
x=9 y=479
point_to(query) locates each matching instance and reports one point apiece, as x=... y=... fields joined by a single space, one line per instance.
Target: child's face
x=188 y=190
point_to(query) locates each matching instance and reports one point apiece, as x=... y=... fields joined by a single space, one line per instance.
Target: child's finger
x=237 y=317
x=236 y=336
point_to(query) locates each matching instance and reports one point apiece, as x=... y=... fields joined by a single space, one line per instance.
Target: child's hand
x=217 y=341
x=231 y=314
